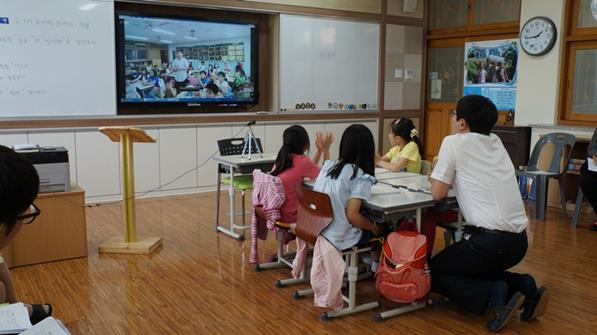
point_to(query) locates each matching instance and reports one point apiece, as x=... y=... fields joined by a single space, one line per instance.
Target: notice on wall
x=491 y=71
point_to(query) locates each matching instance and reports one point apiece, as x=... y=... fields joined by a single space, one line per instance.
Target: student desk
x=238 y=164
x=395 y=195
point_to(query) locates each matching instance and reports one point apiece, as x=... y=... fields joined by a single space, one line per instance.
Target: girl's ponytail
x=295 y=142
x=283 y=160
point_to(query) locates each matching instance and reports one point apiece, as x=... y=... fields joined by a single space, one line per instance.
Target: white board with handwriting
x=328 y=64
x=57 y=58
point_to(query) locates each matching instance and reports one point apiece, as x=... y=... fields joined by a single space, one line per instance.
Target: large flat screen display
x=185 y=61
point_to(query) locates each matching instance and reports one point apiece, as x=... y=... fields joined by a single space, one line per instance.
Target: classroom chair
x=555 y=170
x=425 y=167
x=282 y=259
x=243 y=182
x=314 y=215
x=577 y=207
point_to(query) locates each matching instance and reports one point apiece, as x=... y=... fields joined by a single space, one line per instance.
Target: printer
x=51 y=164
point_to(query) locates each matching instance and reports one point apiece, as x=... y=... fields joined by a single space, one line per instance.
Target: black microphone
x=251 y=123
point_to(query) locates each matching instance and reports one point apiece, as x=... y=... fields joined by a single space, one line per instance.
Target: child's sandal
x=38 y=312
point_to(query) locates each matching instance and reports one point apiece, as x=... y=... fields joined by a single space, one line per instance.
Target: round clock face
x=538 y=35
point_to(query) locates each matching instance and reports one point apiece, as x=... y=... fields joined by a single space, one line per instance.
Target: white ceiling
x=175 y=30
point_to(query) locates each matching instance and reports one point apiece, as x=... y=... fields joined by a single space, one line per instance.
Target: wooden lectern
x=127 y=136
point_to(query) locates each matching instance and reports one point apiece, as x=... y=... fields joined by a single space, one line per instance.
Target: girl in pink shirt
x=292 y=166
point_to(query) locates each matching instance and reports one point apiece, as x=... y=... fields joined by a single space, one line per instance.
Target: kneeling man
x=473 y=272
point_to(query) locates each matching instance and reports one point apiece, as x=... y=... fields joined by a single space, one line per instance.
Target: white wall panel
x=239 y=130
x=178 y=155
x=95 y=162
x=273 y=136
x=337 y=128
x=538 y=87
x=274 y=132
x=98 y=163
x=373 y=126
x=10 y=138
x=207 y=137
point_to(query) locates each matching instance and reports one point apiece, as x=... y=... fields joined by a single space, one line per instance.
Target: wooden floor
x=200 y=282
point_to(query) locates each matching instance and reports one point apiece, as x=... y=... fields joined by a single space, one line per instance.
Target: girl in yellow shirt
x=406 y=148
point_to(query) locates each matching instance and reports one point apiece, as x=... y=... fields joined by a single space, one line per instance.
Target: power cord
x=156 y=188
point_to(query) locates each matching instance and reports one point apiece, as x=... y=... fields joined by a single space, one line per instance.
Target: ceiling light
x=161 y=31
x=133 y=37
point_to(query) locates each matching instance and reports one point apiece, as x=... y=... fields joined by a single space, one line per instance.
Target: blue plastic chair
x=555 y=170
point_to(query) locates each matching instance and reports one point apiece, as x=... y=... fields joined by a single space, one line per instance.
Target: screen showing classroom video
x=175 y=60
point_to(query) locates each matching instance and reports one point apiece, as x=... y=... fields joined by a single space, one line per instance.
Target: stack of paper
x=591 y=166
x=48 y=326
x=14 y=318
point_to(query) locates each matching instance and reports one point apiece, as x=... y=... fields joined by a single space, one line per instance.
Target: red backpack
x=402 y=274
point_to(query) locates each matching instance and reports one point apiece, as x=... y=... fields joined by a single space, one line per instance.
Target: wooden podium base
x=143 y=246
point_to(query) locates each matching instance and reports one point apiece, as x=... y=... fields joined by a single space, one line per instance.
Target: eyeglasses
x=29 y=215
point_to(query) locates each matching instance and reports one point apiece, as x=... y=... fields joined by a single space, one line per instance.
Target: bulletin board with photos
x=217 y=52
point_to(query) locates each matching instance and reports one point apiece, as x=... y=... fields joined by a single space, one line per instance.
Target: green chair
x=242 y=182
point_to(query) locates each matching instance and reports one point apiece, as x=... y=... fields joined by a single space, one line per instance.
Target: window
x=578 y=102
x=585 y=17
x=584 y=85
x=447 y=13
x=445 y=73
x=495 y=11
x=472 y=15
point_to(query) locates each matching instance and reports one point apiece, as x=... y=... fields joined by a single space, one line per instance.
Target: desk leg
x=231 y=193
x=419 y=219
x=413 y=306
x=540 y=197
x=218 y=195
x=352 y=270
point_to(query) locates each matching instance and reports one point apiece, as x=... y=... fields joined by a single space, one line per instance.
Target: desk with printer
x=60 y=231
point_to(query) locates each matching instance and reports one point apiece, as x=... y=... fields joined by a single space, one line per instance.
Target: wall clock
x=538 y=36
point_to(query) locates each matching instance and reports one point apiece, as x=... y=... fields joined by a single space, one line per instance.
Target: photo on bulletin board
x=490 y=70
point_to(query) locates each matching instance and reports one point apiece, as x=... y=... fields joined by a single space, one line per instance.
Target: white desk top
x=415 y=182
x=419 y=182
x=383 y=175
x=388 y=199
x=239 y=160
